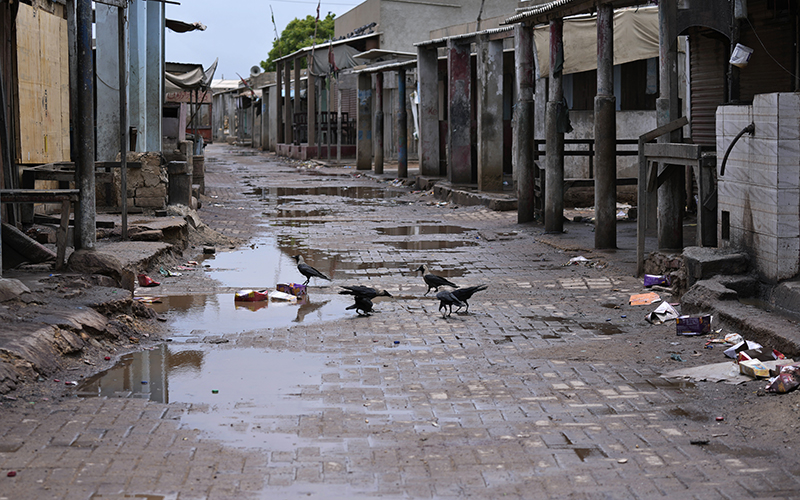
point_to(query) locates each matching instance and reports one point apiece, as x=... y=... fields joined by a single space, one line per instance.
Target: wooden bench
x=64 y=196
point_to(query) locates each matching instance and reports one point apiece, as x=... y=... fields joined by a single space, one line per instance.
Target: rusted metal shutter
x=708 y=52
x=774 y=23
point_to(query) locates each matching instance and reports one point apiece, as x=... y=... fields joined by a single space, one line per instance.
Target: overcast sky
x=239 y=32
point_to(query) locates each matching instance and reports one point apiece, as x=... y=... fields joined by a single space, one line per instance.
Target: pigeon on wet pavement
x=432 y=280
x=308 y=271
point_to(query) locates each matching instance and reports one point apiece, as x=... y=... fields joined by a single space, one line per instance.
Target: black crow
x=363 y=306
x=447 y=299
x=364 y=291
x=308 y=271
x=464 y=294
x=432 y=280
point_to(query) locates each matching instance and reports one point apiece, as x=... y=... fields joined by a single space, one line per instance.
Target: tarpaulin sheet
x=635 y=38
x=342 y=55
x=197 y=79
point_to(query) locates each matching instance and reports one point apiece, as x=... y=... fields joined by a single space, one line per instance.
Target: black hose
x=750 y=129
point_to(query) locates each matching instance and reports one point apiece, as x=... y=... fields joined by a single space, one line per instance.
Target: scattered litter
x=296 y=289
x=644 y=299
x=167 y=273
x=726 y=371
x=720 y=419
x=622 y=461
x=663 y=313
x=145 y=280
x=787 y=380
x=70 y=382
x=214 y=391
x=676 y=357
x=148 y=300
x=250 y=295
x=733 y=352
x=653 y=279
x=282 y=296
x=693 y=325
x=576 y=261
x=11 y=473
x=754 y=368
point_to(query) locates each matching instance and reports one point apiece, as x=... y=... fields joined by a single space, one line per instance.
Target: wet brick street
x=549 y=388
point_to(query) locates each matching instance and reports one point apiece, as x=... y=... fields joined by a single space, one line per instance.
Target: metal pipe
x=85 y=236
x=123 y=119
x=750 y=129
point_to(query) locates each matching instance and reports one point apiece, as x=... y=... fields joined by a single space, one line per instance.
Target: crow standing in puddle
x=363 y=306
x=363 y=296
x=364 y=291
x=432 y=280
x=308 y=271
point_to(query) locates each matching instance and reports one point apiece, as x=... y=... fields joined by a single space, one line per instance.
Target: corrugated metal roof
x=325 y=45
x=465 y=36
x=539 y=9
x=386 y=67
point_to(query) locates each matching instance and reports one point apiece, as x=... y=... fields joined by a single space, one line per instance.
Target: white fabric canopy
x=635 y=38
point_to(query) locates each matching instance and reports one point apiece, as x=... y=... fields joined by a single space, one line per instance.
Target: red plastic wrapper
x=251 y=295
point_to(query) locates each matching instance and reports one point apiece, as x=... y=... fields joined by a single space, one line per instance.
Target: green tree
x=299 y=33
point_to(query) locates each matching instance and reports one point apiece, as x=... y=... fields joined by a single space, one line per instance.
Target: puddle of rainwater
x=420 y=230
x=298 y=213
x=358 y=192
x=246 y=381
x=428 y=244
x=219 y=314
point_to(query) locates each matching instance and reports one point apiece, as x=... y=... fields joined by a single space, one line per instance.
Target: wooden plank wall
x=43 y=85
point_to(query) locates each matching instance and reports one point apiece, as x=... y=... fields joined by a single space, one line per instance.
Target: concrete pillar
x=402 y=125
x=554 y=149
x=379 y=123
x=311 y=99
x=459 y=143
x=279 y=106
x=107 y=67
x=155 y=77
x=522 y=127
x=428 y=83
x=364 y=139
x=85 y=214
x=490 y=114
x=287 y=102
x=297 y=87
x=605 y=134
x=671 y=193
x=137 y=104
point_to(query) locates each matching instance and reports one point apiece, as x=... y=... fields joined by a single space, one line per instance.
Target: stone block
x=151 y=192
x=150 y=202
x=703 y=263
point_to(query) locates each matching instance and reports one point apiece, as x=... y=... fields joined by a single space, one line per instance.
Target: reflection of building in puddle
x=142 y=375
x=181 y=303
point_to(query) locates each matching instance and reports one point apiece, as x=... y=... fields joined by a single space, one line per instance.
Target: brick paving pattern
x=505 y=402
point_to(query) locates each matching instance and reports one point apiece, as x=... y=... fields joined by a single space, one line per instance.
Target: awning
x=197 y=79
x=182 y=27
x=635 y=38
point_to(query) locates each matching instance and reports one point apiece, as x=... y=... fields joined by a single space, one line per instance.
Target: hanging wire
x=767 y=51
